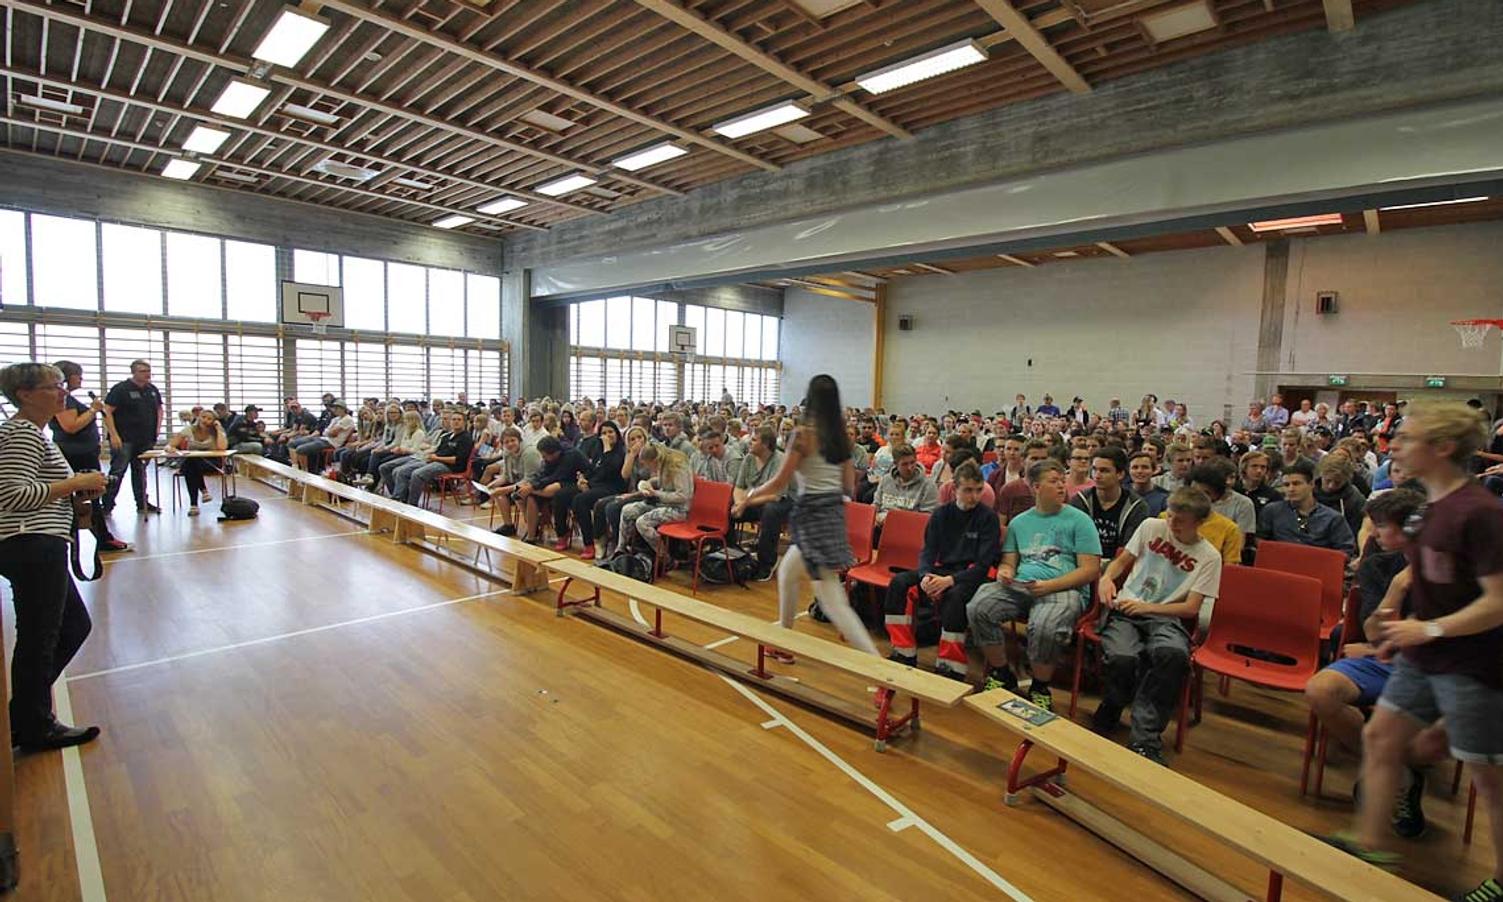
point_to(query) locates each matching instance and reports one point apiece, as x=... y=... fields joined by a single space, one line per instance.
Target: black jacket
x=565 y=469
x=962 y=544
x=1129 y=518
x=605 y=473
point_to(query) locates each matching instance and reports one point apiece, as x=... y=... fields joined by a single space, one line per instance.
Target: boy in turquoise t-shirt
x=1051 y=554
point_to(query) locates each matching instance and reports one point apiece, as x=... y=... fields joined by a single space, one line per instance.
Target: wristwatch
x=1434 y=630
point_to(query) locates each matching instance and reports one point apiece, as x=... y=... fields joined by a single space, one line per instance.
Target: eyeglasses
x=1415 y=522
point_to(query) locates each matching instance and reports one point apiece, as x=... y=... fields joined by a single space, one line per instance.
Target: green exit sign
x=1435 y=382
x=1335 y=380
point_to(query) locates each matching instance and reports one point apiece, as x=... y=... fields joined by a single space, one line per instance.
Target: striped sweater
x=29 y=464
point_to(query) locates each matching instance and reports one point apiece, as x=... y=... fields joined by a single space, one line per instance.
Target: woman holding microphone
x=36 y=525
x=75 y=431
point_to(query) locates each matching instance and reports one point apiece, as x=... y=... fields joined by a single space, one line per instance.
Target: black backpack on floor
x=728 y=565
x=635 y=564
x=237 y=508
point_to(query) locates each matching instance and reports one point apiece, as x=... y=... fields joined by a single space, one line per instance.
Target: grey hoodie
x=917 y=494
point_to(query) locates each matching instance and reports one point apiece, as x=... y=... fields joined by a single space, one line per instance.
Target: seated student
x=1078 y=476
x=1140 y=469
x=553 y=485
x=672 y=426
x=665 y=498
x=205 y=433
x=1254 y=470
x=1116 y=512
x=1300 y=518
x=1181 y=458
x=1017 y=496
x=1049 y=559
x=1338 y=693
x=1219 y=530
x=450 y=454
x=340 y=428
x=762 y=462
x=247 y=432
x=1145 y=639
x=1334 y=489
x=1232 y=504
x=1010 y=465
x=604 y=480
x=930 y=450
x=947 y=488
x=961 y=543
x=711 y=461
x=906 y=487
x=607 y=511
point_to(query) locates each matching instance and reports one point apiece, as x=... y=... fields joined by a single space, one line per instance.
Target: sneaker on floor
x=192 y=510
x=1107 y=719
x=1378 y=858
x=1489 y=890
x=782 y=657
x=764 y=574
x=588 y=554
x=114 y=545
x=484 y=505
x=898 y=658
x=1000 y=678
x=1042 y=699
x=817 y=613
x=1408 y=813
x=1152 y=753
x=561 y=545
x=505 y=529
x=205 y=495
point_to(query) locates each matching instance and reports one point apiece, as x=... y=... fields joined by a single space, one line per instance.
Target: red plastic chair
x=860 y=530
x=455 y=484
x=899 y=548
x=1351 y=631
x=709 y=518
x=1273 y=615
x=1324 y=564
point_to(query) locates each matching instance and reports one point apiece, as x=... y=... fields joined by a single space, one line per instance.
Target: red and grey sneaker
x=561 y=544
x=114 y=545
x=589 y=552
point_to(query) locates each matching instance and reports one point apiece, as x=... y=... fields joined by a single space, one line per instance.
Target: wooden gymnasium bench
x=916 y=684
x=1285 y=851
x=404 y=523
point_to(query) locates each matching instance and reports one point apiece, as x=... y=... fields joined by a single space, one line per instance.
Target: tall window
x=319 y=370
x=406 y=298
x=315 y=267
x=364 y=294
x=446 y=303
x=65 y=264
x=483 y=306
x=250 y=276
x=253 y=366
x=195 y=369
x=13 y=259
x=132 y=269
x=194 y=286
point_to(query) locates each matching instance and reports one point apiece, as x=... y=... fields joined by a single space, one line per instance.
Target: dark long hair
x=822 y=410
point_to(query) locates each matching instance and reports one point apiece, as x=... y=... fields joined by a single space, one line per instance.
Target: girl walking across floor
x=818 y=461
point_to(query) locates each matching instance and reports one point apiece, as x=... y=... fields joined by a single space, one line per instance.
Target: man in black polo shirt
x=133 y=417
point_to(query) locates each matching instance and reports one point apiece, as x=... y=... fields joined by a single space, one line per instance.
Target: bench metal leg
x=594 y=599
x=886 y=726
x=1275 y=886
x=1015 y=783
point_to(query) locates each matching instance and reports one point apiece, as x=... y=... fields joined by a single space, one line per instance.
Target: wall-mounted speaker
x=905 y=323
x=1325 y=302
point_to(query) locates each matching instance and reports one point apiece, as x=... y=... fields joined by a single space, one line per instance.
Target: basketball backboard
x=307 y=305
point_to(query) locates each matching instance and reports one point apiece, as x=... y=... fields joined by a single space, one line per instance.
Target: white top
x=815 y=475
x=29 y=463
x=1166 y=571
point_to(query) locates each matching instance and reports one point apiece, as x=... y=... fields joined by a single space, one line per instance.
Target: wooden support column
x=879 y=342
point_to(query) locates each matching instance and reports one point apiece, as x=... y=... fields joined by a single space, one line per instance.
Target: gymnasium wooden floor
x=295 y=710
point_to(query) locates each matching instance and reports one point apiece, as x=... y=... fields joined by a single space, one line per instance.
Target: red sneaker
x=588 y=554
x=782 y=657
x=561 y=545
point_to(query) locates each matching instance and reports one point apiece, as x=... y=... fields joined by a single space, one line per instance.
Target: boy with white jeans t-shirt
x=1145 y=640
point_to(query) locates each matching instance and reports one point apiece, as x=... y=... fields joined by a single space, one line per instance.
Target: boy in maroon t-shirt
x=1449 y=661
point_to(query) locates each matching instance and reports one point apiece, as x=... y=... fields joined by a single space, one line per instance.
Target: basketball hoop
x=1474 y=331
x=317 y=318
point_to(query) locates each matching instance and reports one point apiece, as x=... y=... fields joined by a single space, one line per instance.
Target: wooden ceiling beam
x=937 y=270
x=516 y=70
x=1339 y=15
x=1113 y=250
x=675 y=12
x=245 y=128
x=1017 y=261
x=1370 y=220
x=1033 y=40
x=1229 y=236
x=285 y=77
x=826 y=290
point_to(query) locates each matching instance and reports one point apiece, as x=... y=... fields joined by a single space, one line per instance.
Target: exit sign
x=1435 y=382
x=1335 y=380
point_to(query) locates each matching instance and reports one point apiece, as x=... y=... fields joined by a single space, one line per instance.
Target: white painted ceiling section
x=1405 y=150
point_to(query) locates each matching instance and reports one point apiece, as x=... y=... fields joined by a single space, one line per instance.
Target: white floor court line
x=80 y=820
x=265 y=640
x=130 y=556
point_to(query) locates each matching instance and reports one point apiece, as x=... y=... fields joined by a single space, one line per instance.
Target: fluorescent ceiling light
x=453 y=222
x=240 y=98
x=291 y=37
x=927 y=65
x=1436 y=203
x=308 y=113
x=243 y=177
x=345 y=170
x=1179 y=21
x=650 y=156
x=205 y=140
x=406 y=182
x=547 y=121
x=566 y=184
x=502 y=205
x=761 y=120
x=51 y=106
x=1297 y=222
x=180 y=169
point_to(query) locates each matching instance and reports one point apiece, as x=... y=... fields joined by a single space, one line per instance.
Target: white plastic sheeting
x=1402 y=151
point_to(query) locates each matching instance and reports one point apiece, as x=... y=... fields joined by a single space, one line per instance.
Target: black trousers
x=585 y=505
x=84 y=463
x=770 y=519
x=128 y=456
x=51 y=624
x=563 y=502
x=607 y=513
x=194 y=470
